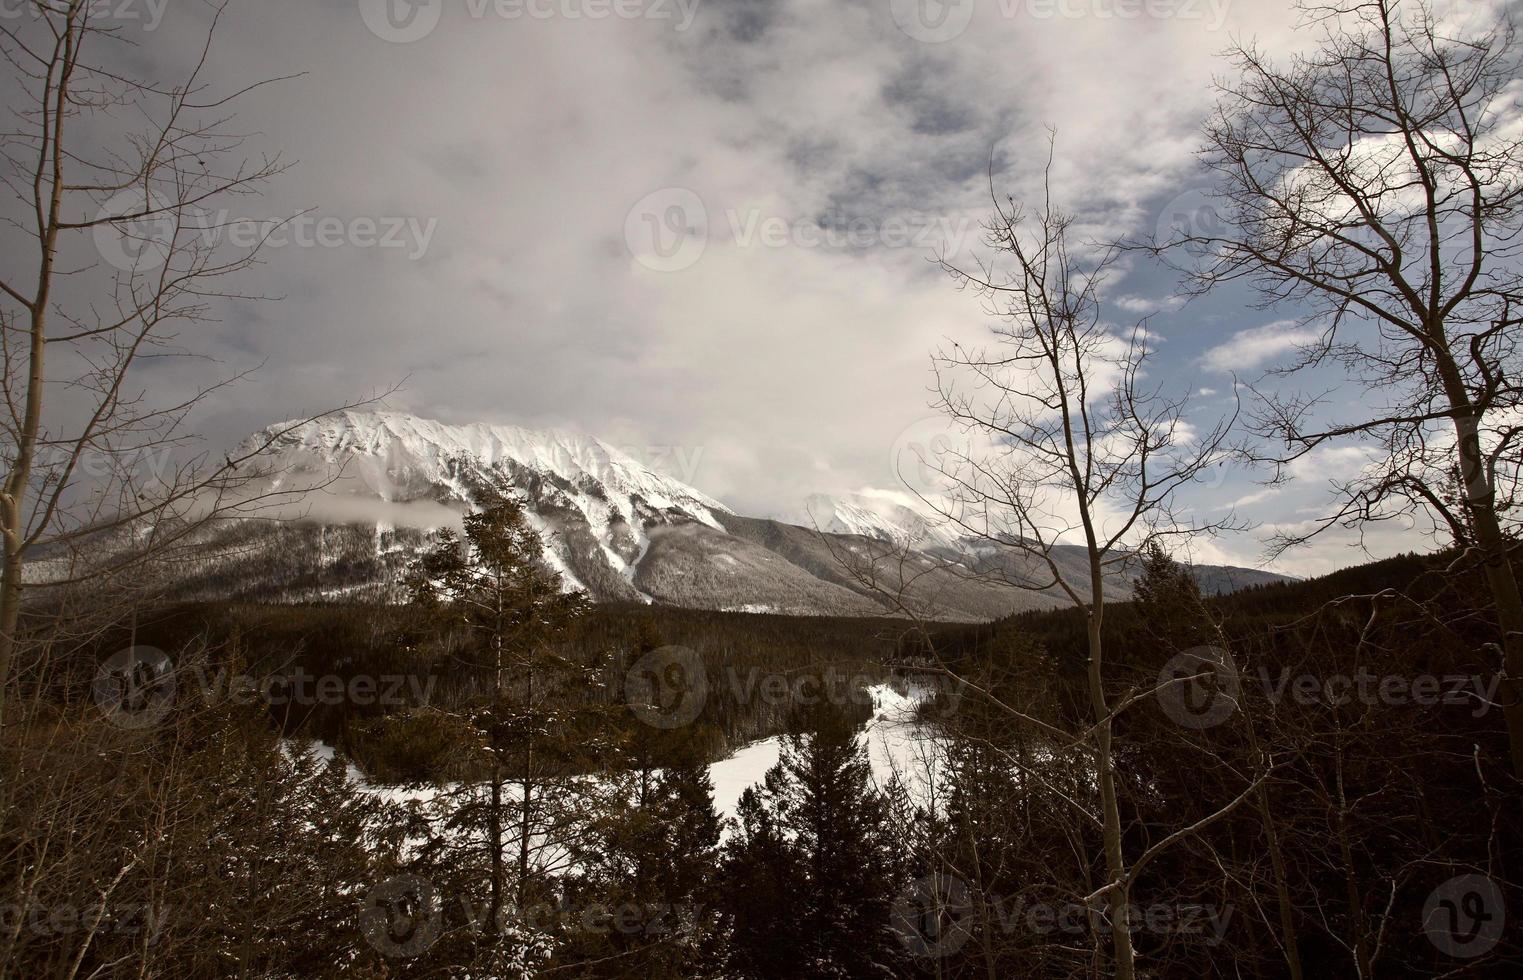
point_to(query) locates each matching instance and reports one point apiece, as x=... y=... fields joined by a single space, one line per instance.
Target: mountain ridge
x=382 y=482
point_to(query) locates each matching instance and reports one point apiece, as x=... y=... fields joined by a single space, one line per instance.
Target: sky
x=704 y=230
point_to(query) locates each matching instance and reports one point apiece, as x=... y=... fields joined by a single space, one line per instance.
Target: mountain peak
x=401 y=456
x=887 y=515
x=372 y=487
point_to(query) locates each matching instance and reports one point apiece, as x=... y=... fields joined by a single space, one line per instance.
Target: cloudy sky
x=702 y=228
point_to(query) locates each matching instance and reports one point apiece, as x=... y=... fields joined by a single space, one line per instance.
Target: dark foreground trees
x=1372 y=187
x=201 y=846
x=814 y=868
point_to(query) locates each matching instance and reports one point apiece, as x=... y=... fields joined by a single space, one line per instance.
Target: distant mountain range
x=385 y=482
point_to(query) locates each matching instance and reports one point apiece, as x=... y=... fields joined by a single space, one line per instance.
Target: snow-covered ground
x=744 y=769
x=896 y=746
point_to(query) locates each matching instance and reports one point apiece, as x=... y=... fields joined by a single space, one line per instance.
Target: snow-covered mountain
x=399 y=457
x=887 y=515
x=374 y=486
x=593 y=503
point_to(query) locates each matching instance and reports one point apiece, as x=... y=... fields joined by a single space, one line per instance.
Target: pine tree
x=264 y=852
x=761 y=873
x=814 y=869
x=1169 y=601
x=519 y=738
x=649 y=857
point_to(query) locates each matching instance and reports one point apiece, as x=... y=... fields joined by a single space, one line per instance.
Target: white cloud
x=1145 y=304
x=1257 y=497
x=1258 y=346
x=1335 y=463
x=781 y=370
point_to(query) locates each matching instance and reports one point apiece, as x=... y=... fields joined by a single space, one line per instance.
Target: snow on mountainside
x=592 y=503
x=373 y=487
x=887 y=515
x=402 y=457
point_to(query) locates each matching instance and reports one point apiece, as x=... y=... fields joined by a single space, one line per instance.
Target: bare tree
x=1375 y=184
x=1070 y=443
x=112 y=179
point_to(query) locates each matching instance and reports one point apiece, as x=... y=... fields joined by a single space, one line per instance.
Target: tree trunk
x=13 y=497
x=1282 y=889
x=1118 y=895
x=494 y=835
x=1501 y=580
x=1288 y=940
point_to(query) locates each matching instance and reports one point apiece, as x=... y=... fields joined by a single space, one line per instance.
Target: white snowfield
x=396 y=469
x=898 y=747
x=613 y=524
x=398 y=456
x=885 y=515
x=401 y=458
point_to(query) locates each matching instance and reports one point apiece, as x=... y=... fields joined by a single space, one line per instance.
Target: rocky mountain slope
x=377 y=485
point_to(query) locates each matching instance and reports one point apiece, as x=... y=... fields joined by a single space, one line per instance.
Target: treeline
x=348 y=641
x=556 y=828
x=210 y=847
x=1328 y=769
